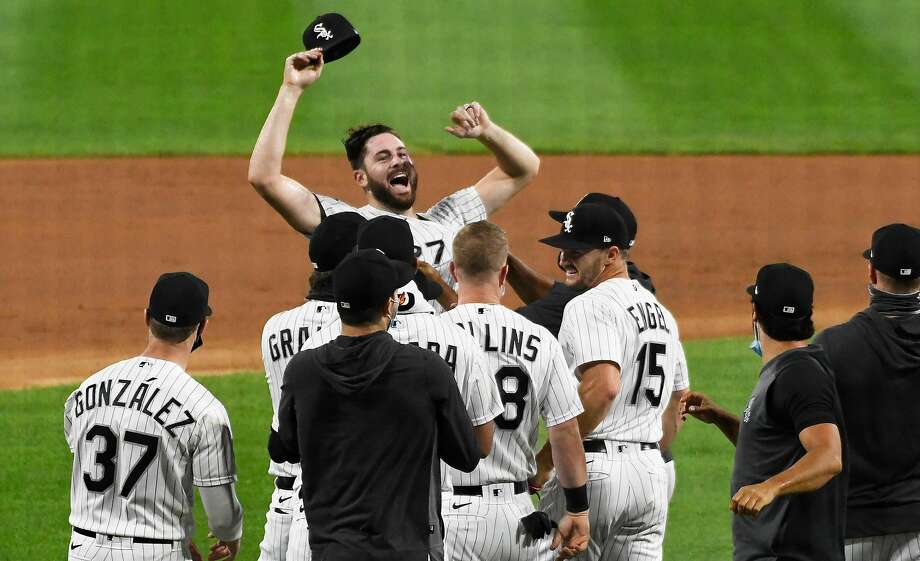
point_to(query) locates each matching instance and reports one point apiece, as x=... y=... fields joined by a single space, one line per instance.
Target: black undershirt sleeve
x=803 y=396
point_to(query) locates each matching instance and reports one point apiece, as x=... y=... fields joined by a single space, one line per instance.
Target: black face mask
x=198 y=342
x=887 y=303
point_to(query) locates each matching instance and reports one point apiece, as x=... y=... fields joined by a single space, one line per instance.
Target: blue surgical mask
x=755 y=344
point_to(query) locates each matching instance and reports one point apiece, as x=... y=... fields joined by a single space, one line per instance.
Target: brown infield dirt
x=84 y=240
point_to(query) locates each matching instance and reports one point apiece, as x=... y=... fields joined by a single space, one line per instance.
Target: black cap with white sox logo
x=332 y=33
x=783 y=291
x=590 y=226
x=895 y=251
x=179 y=300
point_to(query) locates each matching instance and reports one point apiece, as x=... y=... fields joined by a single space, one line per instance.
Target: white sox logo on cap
x=322 y=32
x=567 y=224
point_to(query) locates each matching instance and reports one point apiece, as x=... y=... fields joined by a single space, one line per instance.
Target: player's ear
x=202 y=326
x=503 y=274
x=147 y=317
x=873 y=274
x=453 y=271
x=360 y=178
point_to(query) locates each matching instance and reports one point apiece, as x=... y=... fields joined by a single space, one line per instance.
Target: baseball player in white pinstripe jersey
x=419 y=326
x=143 y=433
x=483 y=521
x=282 y=337
x=382 y=168
x=624 y=347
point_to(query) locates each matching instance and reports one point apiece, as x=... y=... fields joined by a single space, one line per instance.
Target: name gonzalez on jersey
x=114 y=393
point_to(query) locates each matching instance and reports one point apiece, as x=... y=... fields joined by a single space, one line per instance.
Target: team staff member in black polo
x=372 y=417
x=876 y=360
x=789 y=479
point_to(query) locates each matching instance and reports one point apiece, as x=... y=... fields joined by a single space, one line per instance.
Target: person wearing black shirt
x=789 y=479
x=368 y=419
x=876 y=360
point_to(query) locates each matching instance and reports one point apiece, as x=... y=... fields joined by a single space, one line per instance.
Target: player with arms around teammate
x=143 y=432
x=482 y=522
x=383 y=169
x=624 y=347
x=282 y=337
x=788 y=493
x=876 y=361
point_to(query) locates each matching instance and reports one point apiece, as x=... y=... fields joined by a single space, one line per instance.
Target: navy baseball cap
x=783 y=291
x=616 y=203
x=179 y=300
x=393 y=237
x=365 y=279
x=333 y=239
x=332 y=33
x=895 y=251
x=590 y=226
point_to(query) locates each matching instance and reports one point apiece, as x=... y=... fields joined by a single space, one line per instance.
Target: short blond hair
x=480 y=248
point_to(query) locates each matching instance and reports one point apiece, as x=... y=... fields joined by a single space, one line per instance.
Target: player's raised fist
x=470 y=121
x=303 y=68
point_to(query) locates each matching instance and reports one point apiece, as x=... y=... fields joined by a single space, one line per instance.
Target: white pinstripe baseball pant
x=278 y=520
x=628 y=495
x=101 y=548
x=488 y=527
x=893 y=547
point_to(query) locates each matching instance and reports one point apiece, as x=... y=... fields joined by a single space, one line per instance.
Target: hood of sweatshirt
x=895 y=338
x=350 y=364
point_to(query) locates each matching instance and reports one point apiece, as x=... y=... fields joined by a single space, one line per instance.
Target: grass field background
x=629 y=76
x=35 y=473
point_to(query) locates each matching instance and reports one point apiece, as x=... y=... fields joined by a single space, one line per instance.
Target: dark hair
x=321 y=281
x=897 y=286
x=171 y=333
x=783 y=329
x=358 y=318
x=356 y=138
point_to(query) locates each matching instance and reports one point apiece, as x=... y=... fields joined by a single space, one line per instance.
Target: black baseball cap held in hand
x=334 y=238
x=179 y=300
x=616 y=203
x=365 y=279
x=590 y=226
x=332 y=33
x=895 y=251
x=783 y=291
x=393 y=237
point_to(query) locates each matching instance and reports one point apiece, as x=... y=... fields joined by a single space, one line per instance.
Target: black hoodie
x=370 y=418
x=876 y=361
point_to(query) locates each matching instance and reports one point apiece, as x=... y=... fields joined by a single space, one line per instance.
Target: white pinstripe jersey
x=282 y=337
x=142 y=432
x=533 y=381
x=459 y=351
x=622 y=322
x=434 y=230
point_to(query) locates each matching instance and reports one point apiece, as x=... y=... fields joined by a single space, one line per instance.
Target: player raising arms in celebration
x=482 y=521
x=383 y=169
x=624 y=347
x=142 y=432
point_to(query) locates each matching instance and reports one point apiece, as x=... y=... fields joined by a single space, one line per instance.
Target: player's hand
x=428 y=270
x=470 y=121
x=193 y=551
x=223 y=551
x=699 y=405
x=750 y=500
x=572 y=536
x=539 y=479
x=303 y=68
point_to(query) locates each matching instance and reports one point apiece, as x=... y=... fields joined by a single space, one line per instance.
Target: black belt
x=90 y=534
x=285 y=483
x=476 y=490
x=599 y=446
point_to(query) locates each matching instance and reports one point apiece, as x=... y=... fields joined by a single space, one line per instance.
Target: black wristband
x=576 y=499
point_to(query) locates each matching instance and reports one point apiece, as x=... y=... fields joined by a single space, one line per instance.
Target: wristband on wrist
x=576 y=499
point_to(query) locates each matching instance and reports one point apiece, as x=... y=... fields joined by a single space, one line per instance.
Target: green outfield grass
x=626 y=76
x=35 y=472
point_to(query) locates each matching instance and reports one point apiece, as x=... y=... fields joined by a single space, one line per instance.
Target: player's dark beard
x=381 y=191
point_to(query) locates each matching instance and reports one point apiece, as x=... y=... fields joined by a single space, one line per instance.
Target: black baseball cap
x=616 y=203
x=333 y=239
x=590 y=226
x=365 y=279
x=332 y=33
x=783 y=291
x=179 y=300
x=393 y=237
x=895 y=251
